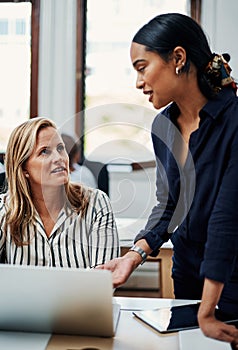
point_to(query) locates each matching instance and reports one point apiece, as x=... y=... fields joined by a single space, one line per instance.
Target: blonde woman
x=44 y=219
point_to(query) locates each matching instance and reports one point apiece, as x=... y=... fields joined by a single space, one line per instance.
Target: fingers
x=110 y=265
x=234 y=343
x=99 y=267
x=221 y=331
x=227 y=333
x=121 y=269
x=116 y=284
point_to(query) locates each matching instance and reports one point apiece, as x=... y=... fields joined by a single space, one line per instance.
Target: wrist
x=205 y=311
x=138 y=253
x=134 y=258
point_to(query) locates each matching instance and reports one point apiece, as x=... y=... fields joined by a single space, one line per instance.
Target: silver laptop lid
x=66 y=301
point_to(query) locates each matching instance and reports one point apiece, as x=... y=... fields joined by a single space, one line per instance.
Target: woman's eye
x=141 y=69
x=45 y=151
x=60 y=148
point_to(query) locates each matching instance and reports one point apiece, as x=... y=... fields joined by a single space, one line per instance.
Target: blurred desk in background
x=127 y=229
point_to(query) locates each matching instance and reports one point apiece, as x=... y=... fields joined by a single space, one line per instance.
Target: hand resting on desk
x=216 y=329
x=210 y=326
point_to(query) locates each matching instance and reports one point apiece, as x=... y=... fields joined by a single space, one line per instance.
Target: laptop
x=57 y=300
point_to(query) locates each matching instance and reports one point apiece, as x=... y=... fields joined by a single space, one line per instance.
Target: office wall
x=133 y=194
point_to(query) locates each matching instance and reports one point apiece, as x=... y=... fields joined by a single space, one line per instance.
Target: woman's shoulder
x=99 y=200
x=226 y=110
x=96 y=194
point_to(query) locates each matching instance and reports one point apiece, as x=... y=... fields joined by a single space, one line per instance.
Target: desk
x=131 y=334
x=127 y=229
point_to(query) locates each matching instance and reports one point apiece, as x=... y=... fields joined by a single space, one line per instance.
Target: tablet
x=177 y=318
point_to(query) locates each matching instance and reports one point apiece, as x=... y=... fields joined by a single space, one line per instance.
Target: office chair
x=100 y=172
x=2 y=182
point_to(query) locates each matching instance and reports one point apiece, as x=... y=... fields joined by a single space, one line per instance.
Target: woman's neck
x=189 y=98
x=49 y=202
x=189 y=110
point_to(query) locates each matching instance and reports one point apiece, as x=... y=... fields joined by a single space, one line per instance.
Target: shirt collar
x=215 y=106
x=212 y=108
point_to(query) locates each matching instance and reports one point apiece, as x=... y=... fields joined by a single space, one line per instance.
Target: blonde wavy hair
x=20 y=207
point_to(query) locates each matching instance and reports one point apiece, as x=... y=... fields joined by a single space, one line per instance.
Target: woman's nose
x=57 y=156
x=139 y=82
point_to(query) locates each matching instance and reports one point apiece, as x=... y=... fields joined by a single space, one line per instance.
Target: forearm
x=210 y=326
x=155 y=232
x=211 y=294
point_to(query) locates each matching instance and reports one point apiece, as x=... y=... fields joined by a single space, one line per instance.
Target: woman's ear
x=25 y=172
x=179 y=55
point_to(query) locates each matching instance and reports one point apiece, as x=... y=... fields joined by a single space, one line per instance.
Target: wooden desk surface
x=131 y=334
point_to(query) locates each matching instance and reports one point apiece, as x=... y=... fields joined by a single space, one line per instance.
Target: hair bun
x=226 y=56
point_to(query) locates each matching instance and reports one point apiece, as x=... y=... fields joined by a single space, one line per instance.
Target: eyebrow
x=41 y=148
x=138 y=61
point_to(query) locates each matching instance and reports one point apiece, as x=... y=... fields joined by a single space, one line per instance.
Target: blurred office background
x=69 y=60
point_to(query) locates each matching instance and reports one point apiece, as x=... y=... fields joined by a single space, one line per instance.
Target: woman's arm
x=122 y=267
x=210 y=326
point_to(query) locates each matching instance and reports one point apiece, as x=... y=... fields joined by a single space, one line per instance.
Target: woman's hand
x=121 y=269
x=213 y=328
x=207 y=321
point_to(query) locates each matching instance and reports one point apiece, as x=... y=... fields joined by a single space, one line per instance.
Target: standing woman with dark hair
x=195 y=141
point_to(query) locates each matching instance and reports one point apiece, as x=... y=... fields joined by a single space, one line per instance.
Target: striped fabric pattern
x=74 y=241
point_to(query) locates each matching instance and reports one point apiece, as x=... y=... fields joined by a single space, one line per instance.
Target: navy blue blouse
x=199 y=200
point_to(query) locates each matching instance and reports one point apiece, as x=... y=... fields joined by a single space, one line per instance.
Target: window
x=15 y=53
x=118 y=117
x=20 y=26
x=3 y=26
